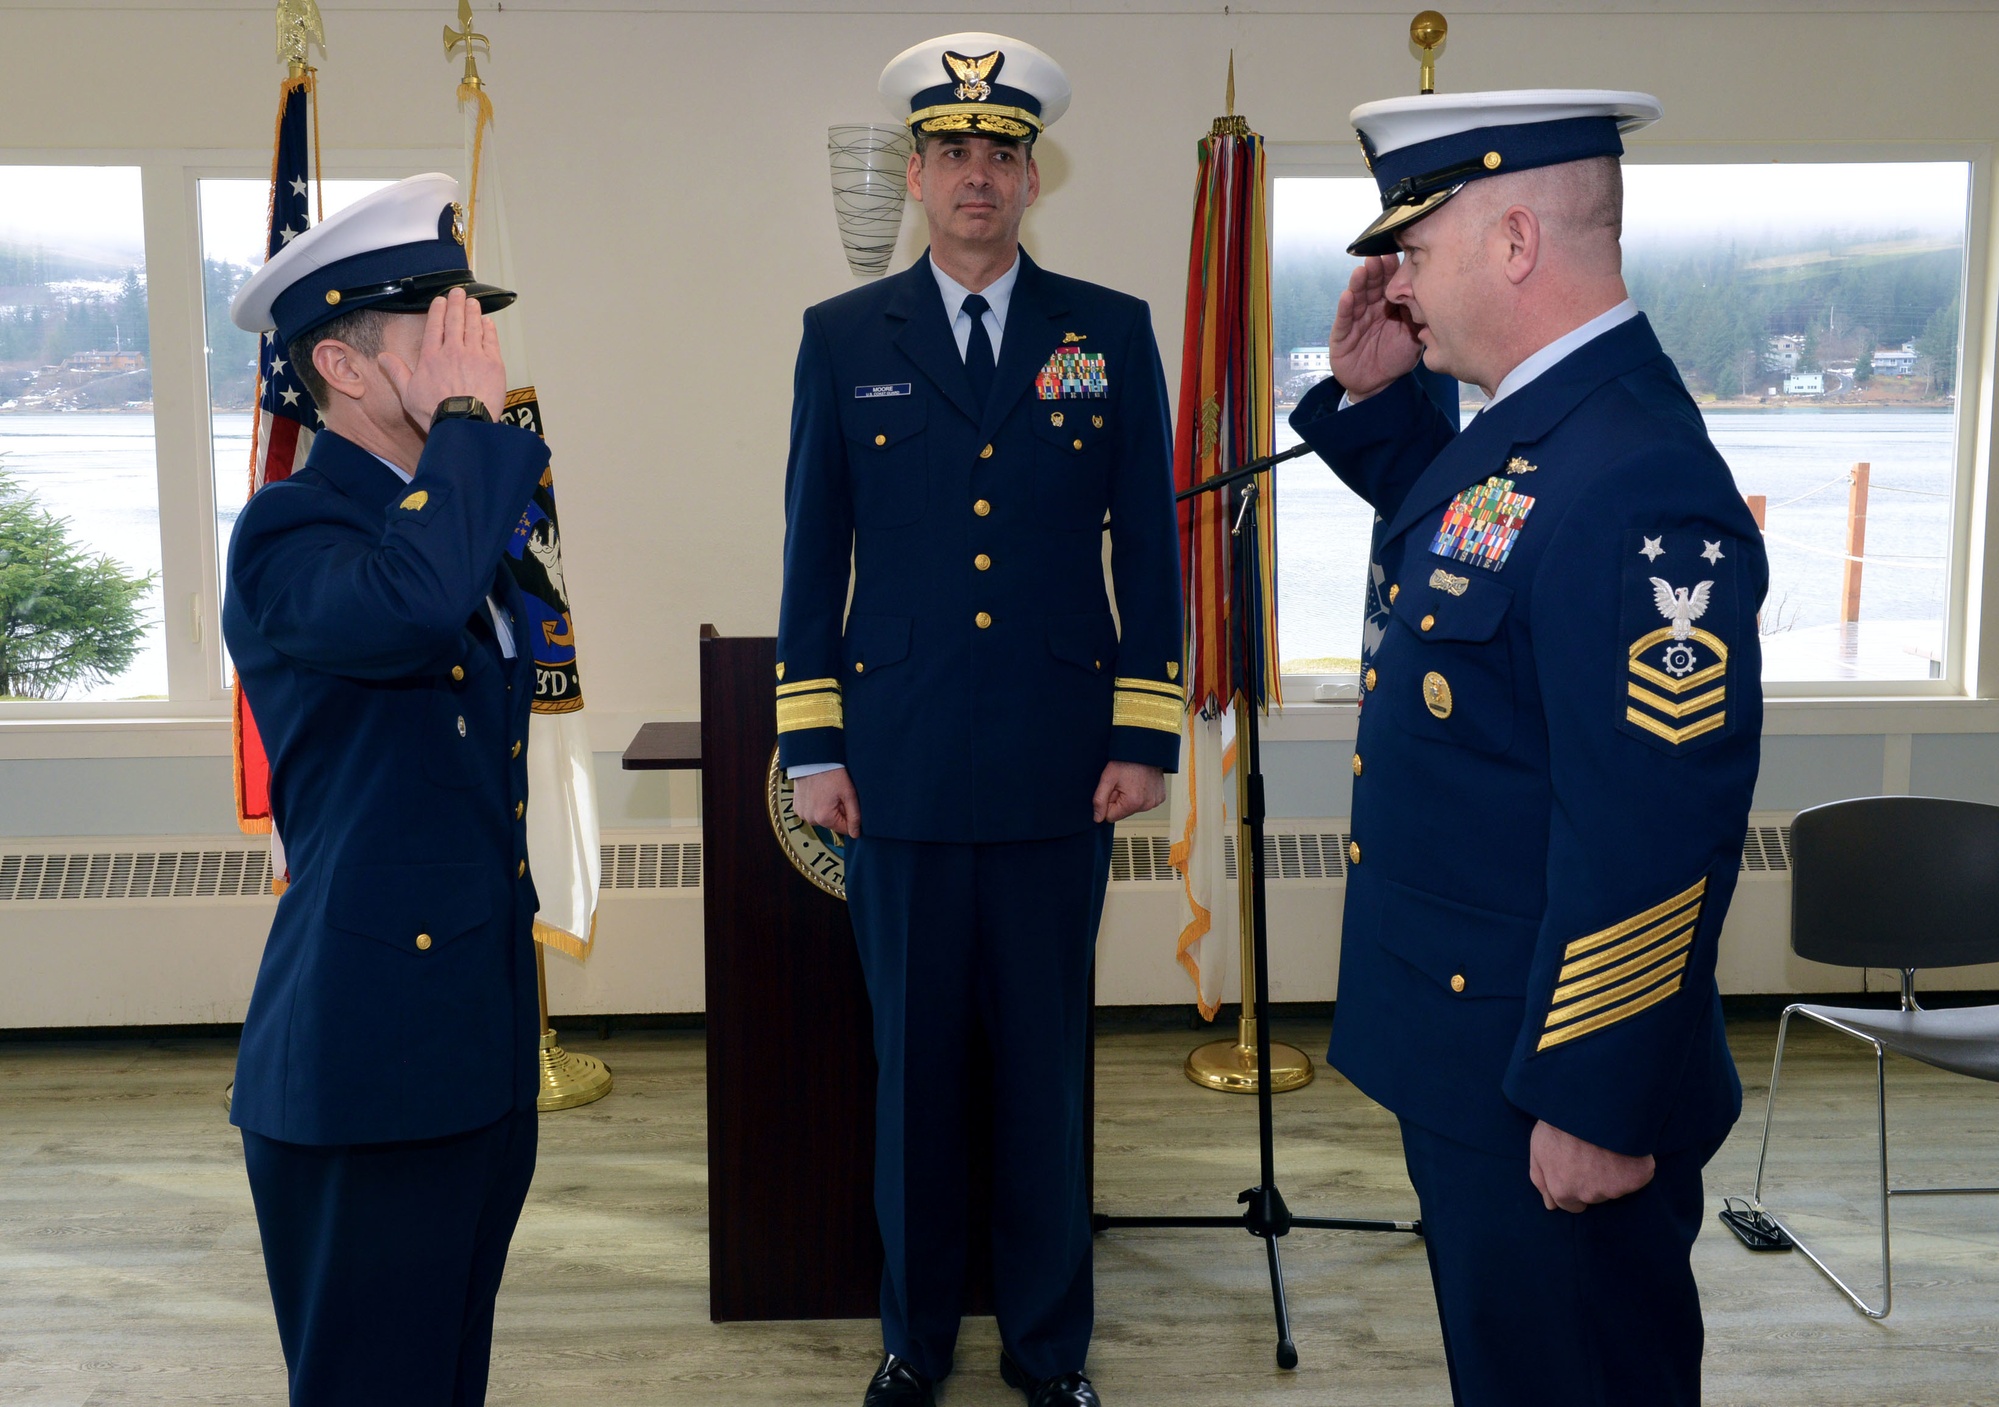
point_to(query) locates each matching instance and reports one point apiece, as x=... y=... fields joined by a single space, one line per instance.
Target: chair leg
x=1881 y=1120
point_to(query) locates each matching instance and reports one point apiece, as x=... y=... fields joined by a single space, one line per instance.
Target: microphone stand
x=1265 y=1215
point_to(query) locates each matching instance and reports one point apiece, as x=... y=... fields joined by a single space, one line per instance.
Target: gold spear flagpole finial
x=1426 y=32
x=299 y=28
x=1230 y=125
x=463 y=35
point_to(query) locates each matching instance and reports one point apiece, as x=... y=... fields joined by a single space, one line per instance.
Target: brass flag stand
x=1234 y=1066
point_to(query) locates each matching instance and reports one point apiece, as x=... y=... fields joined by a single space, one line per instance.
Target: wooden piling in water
x=1856 y=545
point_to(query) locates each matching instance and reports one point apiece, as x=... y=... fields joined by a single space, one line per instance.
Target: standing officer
x=386 y=1084
x=1557 y=745
x=959 y=432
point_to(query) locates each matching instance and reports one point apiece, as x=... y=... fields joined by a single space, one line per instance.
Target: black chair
x=1905 y=882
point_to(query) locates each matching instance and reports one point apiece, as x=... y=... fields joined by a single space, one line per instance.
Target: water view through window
x=1813 y=311
x=79 y=498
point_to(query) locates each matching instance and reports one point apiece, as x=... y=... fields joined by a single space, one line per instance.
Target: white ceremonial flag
x=562 y=789
x=1203 y=813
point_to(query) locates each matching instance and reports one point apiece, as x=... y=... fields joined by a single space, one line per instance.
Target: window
x=80 y=599
x=1813 y=309
x=234 y=221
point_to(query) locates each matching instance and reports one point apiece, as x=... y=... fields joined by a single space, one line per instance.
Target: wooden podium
x=791 y=1067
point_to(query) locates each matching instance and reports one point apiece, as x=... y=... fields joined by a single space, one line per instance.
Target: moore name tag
x=874 y=393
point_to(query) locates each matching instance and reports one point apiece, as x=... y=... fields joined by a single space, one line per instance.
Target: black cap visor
x=416 y=293
x=1379 y=237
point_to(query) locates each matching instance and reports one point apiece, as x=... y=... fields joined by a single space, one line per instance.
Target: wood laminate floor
x=130 y=1272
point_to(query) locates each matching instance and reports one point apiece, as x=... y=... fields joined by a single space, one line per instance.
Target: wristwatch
x=461 y=408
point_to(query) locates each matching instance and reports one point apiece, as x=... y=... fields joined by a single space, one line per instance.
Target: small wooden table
x=665 y=747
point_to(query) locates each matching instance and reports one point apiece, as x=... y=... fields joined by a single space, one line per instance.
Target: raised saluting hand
x=1373 y=342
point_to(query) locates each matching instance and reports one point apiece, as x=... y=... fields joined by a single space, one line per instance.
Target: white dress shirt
x=500 y=626
x=998 y=293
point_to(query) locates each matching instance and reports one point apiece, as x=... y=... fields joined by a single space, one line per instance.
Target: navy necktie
x=979 y=351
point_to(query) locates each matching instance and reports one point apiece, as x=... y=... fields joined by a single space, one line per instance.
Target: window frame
x=1971 y=604
x=190 y=569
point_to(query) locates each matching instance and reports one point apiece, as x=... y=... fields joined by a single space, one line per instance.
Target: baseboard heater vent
x=667 y=864
x=1767 y=850
x=1305 y=855
x=145 y=874
x=1322 y=855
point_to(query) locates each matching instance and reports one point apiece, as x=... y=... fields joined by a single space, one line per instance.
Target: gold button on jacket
x=983 y=562
x=982 y=620
x=520 y=809
x=423 y=942
x=1458 y=982
x=458 y=671
x=982 y=508
x=1356 y=764
x=1370 y=679
x=1353 y=852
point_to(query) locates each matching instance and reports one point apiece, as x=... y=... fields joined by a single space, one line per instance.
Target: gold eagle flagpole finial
x=299 y=28
x=1426 y=32
x=463 y=35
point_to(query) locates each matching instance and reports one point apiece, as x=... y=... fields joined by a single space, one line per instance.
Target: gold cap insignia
x=458 y=222
x=415 y=502
x=972 y=74
x=332 y=297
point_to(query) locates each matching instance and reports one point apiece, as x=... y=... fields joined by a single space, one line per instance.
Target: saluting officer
x=386 y=1083
x=1558 y=741
x=976 y=721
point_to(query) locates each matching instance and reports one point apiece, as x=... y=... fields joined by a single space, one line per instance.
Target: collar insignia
x=415 y=502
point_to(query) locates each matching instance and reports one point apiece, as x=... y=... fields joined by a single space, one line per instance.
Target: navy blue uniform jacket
x=1560 y=715
x=979 y=684
x=396 y=999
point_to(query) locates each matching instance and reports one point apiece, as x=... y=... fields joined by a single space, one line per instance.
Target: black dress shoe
x=1062 y=1390
x=897 y=1383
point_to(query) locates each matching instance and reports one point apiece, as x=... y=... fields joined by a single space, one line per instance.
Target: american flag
x=285 y=416
x=285 y=412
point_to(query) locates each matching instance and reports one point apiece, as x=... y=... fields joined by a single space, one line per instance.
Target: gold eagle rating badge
x=1677 y=618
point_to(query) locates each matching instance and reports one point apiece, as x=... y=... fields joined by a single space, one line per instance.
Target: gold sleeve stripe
x=1134 y=708
x=1610 y=1018
x=1677 y=710
x=1602 y=957
x=820 y=710
x=1618 y=995
x=1157 y=686
x=1582 y=987
x=807 y=686
x=1593 y=941
x=1676 y=735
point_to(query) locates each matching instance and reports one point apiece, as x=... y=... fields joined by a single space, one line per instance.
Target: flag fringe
x=1180 y=856
x=565 y=942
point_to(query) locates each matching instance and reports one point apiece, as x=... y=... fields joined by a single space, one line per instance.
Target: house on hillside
x=1805 y=383
x=1895 y=361
x=1311 y=359
x=1783 y=352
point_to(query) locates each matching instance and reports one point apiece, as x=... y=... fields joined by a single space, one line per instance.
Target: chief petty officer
x=1558 y=741
x=959 y=432
x=386 y=1083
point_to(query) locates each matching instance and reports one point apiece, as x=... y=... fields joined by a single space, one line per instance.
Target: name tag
x=875 y=393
